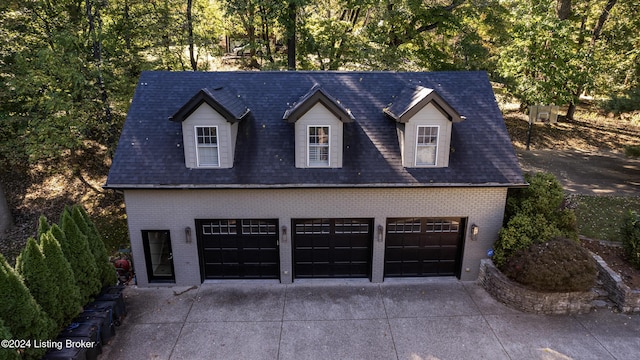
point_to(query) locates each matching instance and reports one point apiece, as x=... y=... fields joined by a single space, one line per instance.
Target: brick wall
x=174 y=210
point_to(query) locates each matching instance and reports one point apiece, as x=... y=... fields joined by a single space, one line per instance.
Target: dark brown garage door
x=423 y=247
x=332 y=248
x=238 y=248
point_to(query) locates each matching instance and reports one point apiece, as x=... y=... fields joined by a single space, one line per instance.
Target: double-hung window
x=318 y=146
x=207 y=146
x=426 y=145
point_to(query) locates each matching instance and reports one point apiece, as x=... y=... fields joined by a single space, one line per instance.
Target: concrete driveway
x=439 y=318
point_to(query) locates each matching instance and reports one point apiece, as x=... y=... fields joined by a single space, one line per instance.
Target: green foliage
x=77 y=252
x=70 y=301
x=106 y=271
x=20 y=312
x=43 y=226
x=533 y=215
x=631 y=238
x=632 y=151
x=559 y=265
x=522 y=231
x=40 y=281
x=6 y=353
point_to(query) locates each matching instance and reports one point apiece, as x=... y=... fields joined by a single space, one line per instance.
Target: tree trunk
x=595 y=35
x=192 y=56
x=6 y=220
x=291 y=36
x=563 y=9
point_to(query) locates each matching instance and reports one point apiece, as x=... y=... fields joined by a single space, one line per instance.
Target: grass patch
x=602 y=217
x=632 y=151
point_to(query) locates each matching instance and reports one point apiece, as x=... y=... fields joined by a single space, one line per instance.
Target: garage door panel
x=238 y=249
x=332 y=247
x=423 y=246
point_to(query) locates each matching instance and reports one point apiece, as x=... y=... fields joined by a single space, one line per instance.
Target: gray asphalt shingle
x=150 y=151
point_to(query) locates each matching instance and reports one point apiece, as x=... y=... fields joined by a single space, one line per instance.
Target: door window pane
x=158 y=254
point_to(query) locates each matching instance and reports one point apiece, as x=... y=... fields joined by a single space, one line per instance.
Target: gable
x=151 y=153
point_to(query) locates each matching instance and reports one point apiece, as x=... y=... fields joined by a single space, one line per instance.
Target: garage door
x=332 y=248
x=238 y=248
x=423 y=247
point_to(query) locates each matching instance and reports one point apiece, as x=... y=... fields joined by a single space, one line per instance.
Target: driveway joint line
x=384 y=306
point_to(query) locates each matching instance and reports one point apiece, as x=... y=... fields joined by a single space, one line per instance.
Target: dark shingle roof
x=150 y=152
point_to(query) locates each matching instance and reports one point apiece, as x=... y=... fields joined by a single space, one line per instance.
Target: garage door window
x=313 y=226
x=443 y=226
x=216 y=227
x=404 y=226
x=258 y=227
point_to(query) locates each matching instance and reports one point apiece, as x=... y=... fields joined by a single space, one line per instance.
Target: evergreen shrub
x=631 y=238
x=558 y=265
x=6 y=353
x=76 y=250
x=106 y=271
x=40 y=281
x=69 y=301
x=21 y=314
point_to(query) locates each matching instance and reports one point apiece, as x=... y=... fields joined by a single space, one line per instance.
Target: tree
x=20 y=312
x=76 y=250
x=106 y=270
x=40 y=281
x=70 y=301
x=6 y=220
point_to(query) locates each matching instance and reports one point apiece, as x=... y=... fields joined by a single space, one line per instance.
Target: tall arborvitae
x=43 y=226
x=106 y=270
x=76 y=250
x=41 y=282
x=21 y=313
x=70 y=302
x=7 y=353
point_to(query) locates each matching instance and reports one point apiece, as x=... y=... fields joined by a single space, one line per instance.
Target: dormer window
x=207 y=146
x=427 y=146
x=210 y=127
x=318 y=147
x=318 y=120
x=424 y=125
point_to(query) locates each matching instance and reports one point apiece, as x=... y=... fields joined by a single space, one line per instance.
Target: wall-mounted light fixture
x=284 y=233
x=187 y=235
x=474 y=232
x=380 y=232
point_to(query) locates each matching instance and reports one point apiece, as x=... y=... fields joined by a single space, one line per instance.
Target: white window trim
x=195 y=134
x=328 y=147
x=415 y=160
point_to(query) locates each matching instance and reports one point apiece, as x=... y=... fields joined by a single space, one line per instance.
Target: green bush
x=521 y=232
x=6 y=353
x=40 y=281
x=70 y=302
x=632 y=151
x=558 y=265
x=534 y=215
x=631 y=238
x=106 y=271
x=76 y=250
x=20 y=312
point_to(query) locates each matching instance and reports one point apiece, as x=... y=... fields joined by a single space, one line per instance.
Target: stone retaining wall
x=521 y=298
x=626 y=300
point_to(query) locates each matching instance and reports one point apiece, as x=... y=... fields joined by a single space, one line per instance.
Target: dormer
x=318 y=118
x=423 y=121
x=210 y=127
